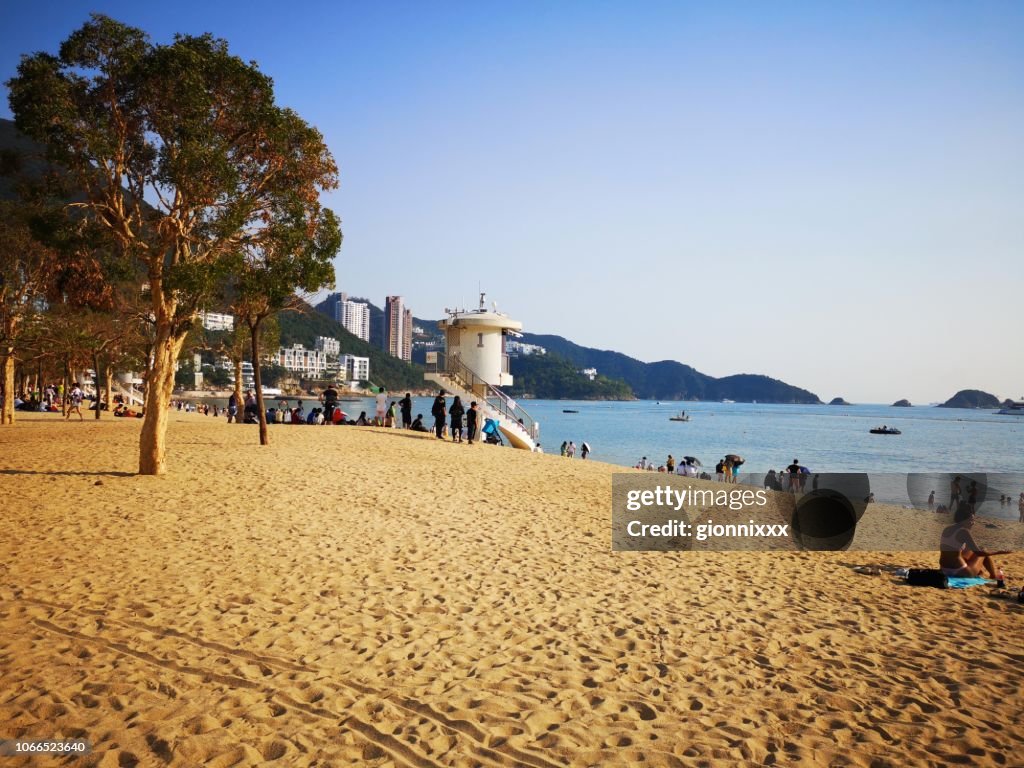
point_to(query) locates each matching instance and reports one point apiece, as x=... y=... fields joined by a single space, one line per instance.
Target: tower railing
x=505 y=406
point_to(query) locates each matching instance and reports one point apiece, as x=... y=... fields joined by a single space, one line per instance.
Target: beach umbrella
x=585 y=447
x=735 y=459
x=692 y=460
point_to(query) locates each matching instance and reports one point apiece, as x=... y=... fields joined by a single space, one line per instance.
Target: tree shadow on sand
x=66 y=473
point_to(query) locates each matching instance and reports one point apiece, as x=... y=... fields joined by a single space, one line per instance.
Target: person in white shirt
x=75 y=397
x=382 y=406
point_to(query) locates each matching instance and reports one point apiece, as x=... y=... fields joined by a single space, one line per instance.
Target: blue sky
x=829 y=194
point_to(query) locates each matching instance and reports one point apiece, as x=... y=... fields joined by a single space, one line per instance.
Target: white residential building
x=355 y=316
x=298 y=359
x=217 y=321
x=519 y=348
x=354 y=369
x=327 y=345
x=590 y=373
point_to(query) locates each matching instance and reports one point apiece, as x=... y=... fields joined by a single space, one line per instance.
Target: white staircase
x=516 y=425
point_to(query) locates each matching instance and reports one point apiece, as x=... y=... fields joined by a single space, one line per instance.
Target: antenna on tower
x=483 y=303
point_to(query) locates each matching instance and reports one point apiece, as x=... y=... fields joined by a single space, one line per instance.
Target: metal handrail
x=453 y=366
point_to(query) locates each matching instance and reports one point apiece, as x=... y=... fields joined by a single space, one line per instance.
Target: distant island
x=971 y=398
x=902 y=404
x=838 y=401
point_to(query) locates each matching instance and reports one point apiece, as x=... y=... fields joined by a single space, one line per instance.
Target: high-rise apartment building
x=353 y=315
x=398 y=328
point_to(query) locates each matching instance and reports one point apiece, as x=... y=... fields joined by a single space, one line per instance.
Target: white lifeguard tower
x=474 y=366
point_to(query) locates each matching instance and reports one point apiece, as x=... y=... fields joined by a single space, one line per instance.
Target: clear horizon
x=829 y=196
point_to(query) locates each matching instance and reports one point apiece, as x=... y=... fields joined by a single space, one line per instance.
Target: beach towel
x=963 y=582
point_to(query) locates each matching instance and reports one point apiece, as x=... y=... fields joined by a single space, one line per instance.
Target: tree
x=183 y=157
x=26 y=267
x=266 y=278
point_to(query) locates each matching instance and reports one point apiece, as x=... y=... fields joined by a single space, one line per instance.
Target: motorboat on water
x=1015 y=408
x=885 y=430
x=681 y=416
x=569 y=410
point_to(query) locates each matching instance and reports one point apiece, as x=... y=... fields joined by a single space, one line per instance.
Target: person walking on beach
x=471 y=419
x=931 y=500
x=329 y=397
x=382 y=407
x=954 y=493
x=75 y=401
x=972 y=495
x=794 y=476
x=720 y=470
x=565 y=447
x=439 y=410
x=584 y=450
x=570 y=452
x=670 y=464
x=405 y=404
x=456 y=412
x=233 y=408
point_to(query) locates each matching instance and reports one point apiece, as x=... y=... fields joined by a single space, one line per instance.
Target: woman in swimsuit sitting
x=959 y=555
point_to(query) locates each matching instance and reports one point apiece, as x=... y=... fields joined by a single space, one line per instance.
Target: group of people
x=568 y=449
x=203 y=409
x=455 y=415
x=456 y=421
x=792 y=479
x=50 y=399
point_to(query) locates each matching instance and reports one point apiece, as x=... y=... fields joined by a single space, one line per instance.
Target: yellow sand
x=353 y=596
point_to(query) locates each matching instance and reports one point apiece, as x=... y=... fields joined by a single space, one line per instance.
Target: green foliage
x=272 y=375
x=215 y=378
x=554 y=377
x=195 y=131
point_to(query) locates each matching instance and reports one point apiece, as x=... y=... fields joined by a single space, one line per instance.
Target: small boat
x=568 y=410
x=885 y=431
x=681 y=416
x=1015 y=408
x=727 y=401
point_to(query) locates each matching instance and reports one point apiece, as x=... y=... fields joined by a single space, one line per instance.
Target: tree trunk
x=238 y=389
x=110 y=388
x=7 y=413
x=159 y=387
x=64 y=396
x=254 y=333
x=96 y=382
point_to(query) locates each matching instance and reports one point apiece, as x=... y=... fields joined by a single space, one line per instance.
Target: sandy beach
x=351 y=596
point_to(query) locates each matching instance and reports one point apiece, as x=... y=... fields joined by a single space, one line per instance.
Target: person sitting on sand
x=417 y=425
x=959 y=555
x=362 y=421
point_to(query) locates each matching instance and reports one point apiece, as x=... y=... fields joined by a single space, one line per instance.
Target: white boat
x=727 y=400
x=1015 y=408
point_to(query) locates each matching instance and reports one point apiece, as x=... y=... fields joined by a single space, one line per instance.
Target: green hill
x=553 y=377
x=971 y=398
x=670 y=380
